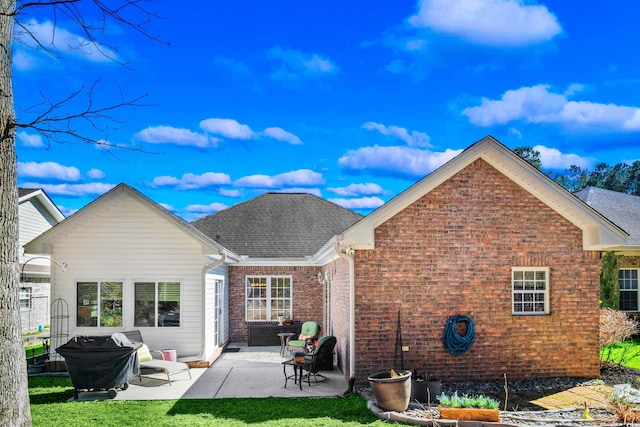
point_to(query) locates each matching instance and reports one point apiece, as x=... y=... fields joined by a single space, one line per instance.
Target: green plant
x=467 y=401
x=609 y=294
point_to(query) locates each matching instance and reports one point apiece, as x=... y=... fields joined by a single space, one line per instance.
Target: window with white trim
x=268 y=297
x=25 y=297
x=628 y=285
x=99 y=304
x=530 y=290
x=157 y=304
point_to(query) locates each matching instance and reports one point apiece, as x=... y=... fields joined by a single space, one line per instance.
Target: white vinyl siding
x=140 y=245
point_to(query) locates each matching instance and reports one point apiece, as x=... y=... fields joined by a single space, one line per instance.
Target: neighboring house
x=36 y=214
x=134 y=265
x=486 y=236
x=623 y=210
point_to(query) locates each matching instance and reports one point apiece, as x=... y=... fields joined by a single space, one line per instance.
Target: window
x=99 y=304
x=267 y=297
x=25 y=297
x=530 y=289
x=157 y=304
x=628 y=283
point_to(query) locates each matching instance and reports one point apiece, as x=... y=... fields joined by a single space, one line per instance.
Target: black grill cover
x=101 y=361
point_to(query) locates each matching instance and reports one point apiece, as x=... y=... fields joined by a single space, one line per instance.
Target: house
x=624 y=210
x=486 y=236
x=36 y=214
x=278 y=236
x=133 y=264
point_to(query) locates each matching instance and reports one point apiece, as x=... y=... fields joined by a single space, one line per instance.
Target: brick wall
x=307 y=295
x=450 y=253
x=340 y=312
x=627 y=261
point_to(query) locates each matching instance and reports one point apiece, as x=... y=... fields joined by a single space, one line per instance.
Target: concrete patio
x=249 y=372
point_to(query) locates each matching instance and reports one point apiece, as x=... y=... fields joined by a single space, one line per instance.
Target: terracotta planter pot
x=470 y=414
x=392 y=394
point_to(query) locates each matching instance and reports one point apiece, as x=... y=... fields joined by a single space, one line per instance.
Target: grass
x=49 y=406
x=626 y=353
x=34 y=350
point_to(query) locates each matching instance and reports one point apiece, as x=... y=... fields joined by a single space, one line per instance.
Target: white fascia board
x=42 y=197
x=277 y=262
x=326 y=253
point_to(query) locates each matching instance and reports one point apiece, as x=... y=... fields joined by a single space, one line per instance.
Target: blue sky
x=351 y=101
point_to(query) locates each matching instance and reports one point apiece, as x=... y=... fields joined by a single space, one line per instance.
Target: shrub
x=615 y=326
x=467 y=401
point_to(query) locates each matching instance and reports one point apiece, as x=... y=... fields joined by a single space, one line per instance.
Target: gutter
x=348 y=255
x=214 y=264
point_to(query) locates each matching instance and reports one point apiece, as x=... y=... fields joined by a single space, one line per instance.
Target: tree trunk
x=14 y=392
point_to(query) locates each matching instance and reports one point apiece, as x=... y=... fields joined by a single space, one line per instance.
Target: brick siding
x=450 y=253
x=307 y=295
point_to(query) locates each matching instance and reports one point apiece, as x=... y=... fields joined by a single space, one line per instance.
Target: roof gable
x=42 y=243
x=278 y=225
x=37 y=194
x=598 y=231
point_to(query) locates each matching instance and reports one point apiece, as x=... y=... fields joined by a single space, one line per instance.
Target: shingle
x=620 y=208
x=278 y=225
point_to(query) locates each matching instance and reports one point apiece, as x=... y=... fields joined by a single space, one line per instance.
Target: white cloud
x=168 y=207
x=537 y=104
x=355 y=190
x=206 y=209
x=23 y=61
x=55 y=37
x=75 y=190
x=395 y=161
x=48 y=170
x=229 y=193
x=552 y=158
x=282 y=135
x=295 y=65
x=228 y=128
x=489 y=22
x=191 y=181
x=177 y=136
x=28 y=140
x=95 y=174
x=415 y=139
x=301 y=177
x=359 y=203
x=67 y=211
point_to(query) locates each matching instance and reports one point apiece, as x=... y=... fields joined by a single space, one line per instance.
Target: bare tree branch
x=55 y=124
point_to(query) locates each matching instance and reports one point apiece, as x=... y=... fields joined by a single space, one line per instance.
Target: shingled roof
x=277 y=225
x=620 y=208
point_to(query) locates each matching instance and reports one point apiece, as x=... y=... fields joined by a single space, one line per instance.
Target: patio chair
x=154 y=360
x=322 y=358
x=308 y=334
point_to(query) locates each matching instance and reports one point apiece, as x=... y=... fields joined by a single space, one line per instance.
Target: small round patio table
x=298 y=372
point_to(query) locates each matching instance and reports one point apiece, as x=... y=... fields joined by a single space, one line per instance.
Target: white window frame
x=522 y=294
x=267 y=308
x=629 y=285
x=25 y=295
x=157 y=312
x=99 y=284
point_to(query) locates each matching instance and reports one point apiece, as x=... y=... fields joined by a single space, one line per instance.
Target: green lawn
x=49 y=407
x=626 y=353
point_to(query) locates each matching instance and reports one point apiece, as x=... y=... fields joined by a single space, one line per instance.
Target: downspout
x=214 y=264
x=347 y=254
